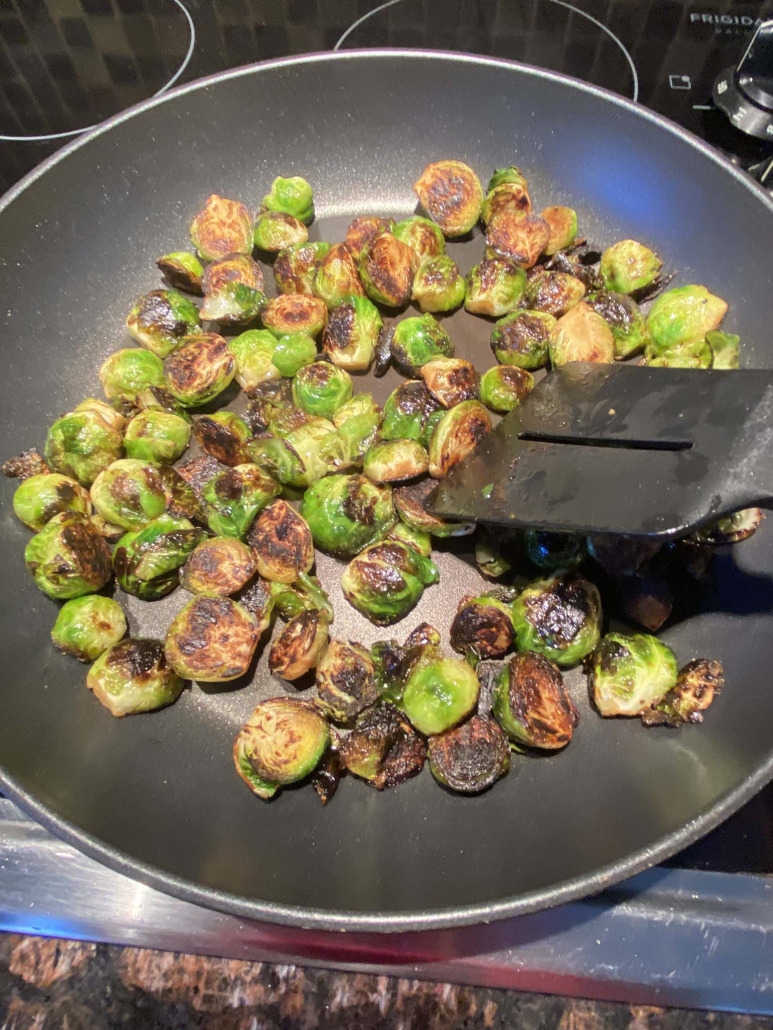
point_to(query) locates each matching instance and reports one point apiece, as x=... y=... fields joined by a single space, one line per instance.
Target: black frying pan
x=157 y=796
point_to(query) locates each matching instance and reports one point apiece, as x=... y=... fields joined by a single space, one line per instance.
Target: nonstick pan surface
x=157 y=796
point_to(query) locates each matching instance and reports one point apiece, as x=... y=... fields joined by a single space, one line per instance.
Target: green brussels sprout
x=410 y=502
x=346 y=682
x=531 y=704
x=146 y=560
x=383 y=748
x=363 y=231
x=295 y=266
x=439 y=693
x=128 y=372
x=406 y=412
x=495 y=287
x=503 y=387
x=281 y=542
x=419 y=539
x=183 y=271
x=438 y=285
x=456 y=435
x=282 y=742
x=359 y=404
x=630 y=673
x=506 y=186
x=415 y=341
x=253 y=351
x=222 y=434
x=310 y=444
x=233 y=290
x=683 y=315
x=470 y=758
x=628 y=266
x=484 y=624
x=386 y=580
x=725 y=349
x=517 y=235
x=274 y=231
x=293 y=352
x=346 y=513
x=235 y=497
x=111 y=415
x=200 y=369
x=522 y=339
x=422 y=236
x=321 y=388
x=391 y=461
x=295 y=313
x=622 y=314
x=337 y=278
x=157 y=436
x=81 y=444
x=696 y=686
x=132 y=677
x=159 y=321
x=352 y=441
x=351 y=334
x=87 y=626
x=37 y=499
x=267 y=401
x=451 y=194
x=387 y=268
x=731 y=529
x=553 y=551
x=688 y=355
x=218 y=566
x=450 y=380
x=304 y=595
x=68 y=557
x=182 y=500
x=298 y=647
x=581 y=335
x=211 y=640
x=129 y=493
x=223 y=227
x=554 y=293
x=563 y=228
x=559 y=617
x=293 y=196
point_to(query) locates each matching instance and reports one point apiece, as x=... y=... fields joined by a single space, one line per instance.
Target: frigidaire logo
x=742 y=21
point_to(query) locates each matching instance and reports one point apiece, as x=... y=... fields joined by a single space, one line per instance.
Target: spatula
x=622 y=449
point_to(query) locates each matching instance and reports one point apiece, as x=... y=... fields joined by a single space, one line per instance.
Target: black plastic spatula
x=622 y=449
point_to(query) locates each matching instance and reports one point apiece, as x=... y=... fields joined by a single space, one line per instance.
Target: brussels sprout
x=267 y=401
x=518 y=236
x=128 y=372
x=439 y=693
x=297 y=649
x=470 y=757
x=87 y=626
x=223 y=227
x=451 y=194
x=346 y=682
x=40 y=497
x=383 y=748
x=257 y=598
x=293 y=196
x=311 y=444
x=200 y=369
x=415 y=341
x=68 y=557
x=725 y=349
x=289 y=420
x=337 y=278
x=108 y=414
x=129 y=493
x=157 y=436
x=146 y=561
x=358 y=405
x=553 y=551
x=321 y=388
x=503 y=387
x=622 y=314
x=23 y=466
x=563 y=228
x=352 y=441
x=697 y=685
x=387 y=268
x=161 y=319
x=523 y=339
x=531 y=704
x=222 y=434
x=211 y=639
x=683 y=315
x=274 y=231
x=183 y=271
x=406 y=412
x=391 y=461
x=182 y=500
x=302 y=596
x=295 y=267
x=158 y=398
x=346 y=513
x=630 y=673
x=438 y=285
x=495 y=287
x=559 y=617
x=233 y=290
x=253 y=352
x=197 y=472
x=132 y=677
x=295 y=313
x=688 y=355
x=485 y=624
x=418 y=539
x=281 y=543
x=488 y=555
x=352 y=333
x=386 y=580
x=554 y=293
x=506 y=186
x=410 y=503
x=218 y=566
x=293 y=352
x=281 y=742
x=81 y=444
x=628 y=266
x=456 y=435
x=450 y=380
x=363 y=231
x=581 y=335
x=731 y=529
x=235 y=497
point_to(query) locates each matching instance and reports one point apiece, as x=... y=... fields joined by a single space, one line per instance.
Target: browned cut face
x=199 y=363
x=448 y=190
x=178 y=276
x=339 y=264
x=222 y=228
x=281 y=543
x=137 y=660
x=235 y=268
x=219 y=566
x=560 y=612
x=90 y=553
x=520 y=237
x=484 y=627
x=556 y=293
x=298 y=647
x=451 y=380
x=461 y=438
x=363 y=231
x=339 y=332
x=470 y=757
x=346 y=681
x=212 y=639
x=538 y=700
x=28 y=463
x=157 y=313
x=390 y=266
x=217 y=439
x=295 y=313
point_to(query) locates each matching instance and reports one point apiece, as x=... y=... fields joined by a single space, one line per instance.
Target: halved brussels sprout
x=387 y=268
x=87 y=626
x=316 y=445
x=697 y=685
x=438 y=285
x=419 y=539
x=725 y=349
x=351 y=334
x=274 y=231
x=197 y=472
x=731 y=529
x=146 y=561
x=235 y=497
x=129 y=493
x=531 y=703
x=630 y=673
x=554 y=551
x=38 y=498
x=81 y=444
x=484 y=624
x=281 y=742
x=439 y=693
x=267 y=401
x=422 y=236
x=522 y=339
x=554 y=293
x=295 y=313
x=451 y=194
x=183 y=270
x=363 y=231
x=383 y=748
x=281 y=543
x=218 y=566
x=157 y=436
x=223 y=227
x=391 y=461
x=687 y=355
x=128 y=372
x=111 y=415
x=456 y=435
x=559 y=617
x=415 y=341
x=506 y=187
x=161 y=319
x=258 y=599
x=622 y=314
x=386 y=580
x=410 y=503
x=627 y=266
x=233 y=290
x=346 y=513
x=68 y=557
x=683 y=315
x=563 y=228
x=495 y=287
x=253 y=351
x=321 y=388
x=297 y=649
x=132 y=677
x=503 y=387
x=337 y=278
x=407 y=411
x=295 y=266
x=302 y=596
x=22 y=466
x=293 y=352
x=581 y=335
x=450 y=380
x=200 y=369
x=294 y=196
x=346 y=682
x=211 y=640
x=182 y=500
x=222 y=434
x=517 y=236
x=359 y=404
x=470 y=757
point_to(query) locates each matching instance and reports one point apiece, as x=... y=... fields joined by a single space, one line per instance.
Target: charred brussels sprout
x=438 y=285
x=484 y=624
x=293 y=352
x=559 y=617
x=346 y=513
x=161 y=319
x=418 y=539
x=295 y=313
x=553 y=551
x=439 y=693
x=407 y=412
x=422 y=236
x=293 y=196
x=132 y=677
x=274 y=231
x=731 y=529
x=40 y=497
x=563 y=228
x=297 y=649
x=416 y=340
x=410 y=502
x=233 y=290
x=391 y=461
x=129 y=493
x=451 y=194
x=200 y=369
x=157 y=436
x=222 y=434
x=581 y=335
x=386 y=580
x=531 y=704
x=219 y=567
x=321 y=388
x=631 y=673
x=82 y=444
x=267 y=401
x=725 y=349
x=450 y=380
x=683 y=315
x=346 y=683
x=351 y=334
x=363 y=231
x=383 y=748
x=281 y=543
x=212 y=640
x=697 y=685
x=628 y=266
x=387 y=268
x=503 y=387
x=506 y=187
x=337 y=278
x=223 y=227
x=687 y=355
x=295 y=267
x=281 y=742
x=146 y=561
x=456 y=435
x=554 y=293
x=68 y=557
x=126 y=373
x=87 y=626
x=622 y=314
x=518 y=236
x=471 y=757
x=253 y=352
x=523 y=339
x=183 y=271
x=181 y=499
x=235 y=497
x=495 y=287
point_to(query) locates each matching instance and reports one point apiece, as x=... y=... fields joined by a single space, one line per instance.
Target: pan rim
x=391 y=921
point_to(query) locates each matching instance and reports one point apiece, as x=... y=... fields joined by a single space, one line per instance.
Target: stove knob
x=745 y=93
